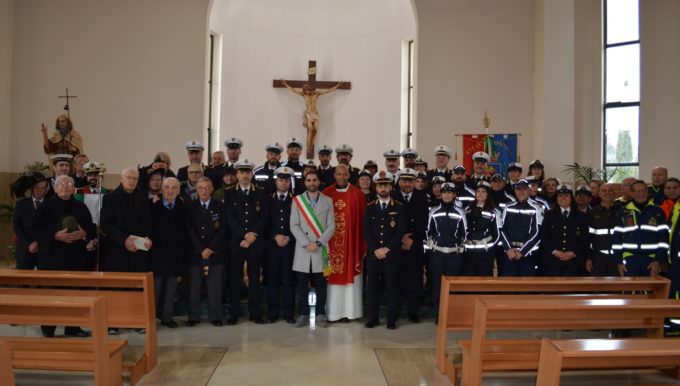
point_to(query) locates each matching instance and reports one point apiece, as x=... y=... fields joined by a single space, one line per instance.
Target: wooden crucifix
x=308 y=90
x=67 y=108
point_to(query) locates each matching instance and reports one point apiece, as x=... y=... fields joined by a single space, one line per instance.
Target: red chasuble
x=347 y=246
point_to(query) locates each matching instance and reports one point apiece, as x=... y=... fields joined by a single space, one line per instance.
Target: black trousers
x=165 y=288
x=239 y=256
x=320 y=288
x=389 y=270
x=213 y=284
x=411 y=277
x=604 y=265
x=443 y=264
x=27 y=261
x=478 y=262
x=279 y=270
x=552 y=266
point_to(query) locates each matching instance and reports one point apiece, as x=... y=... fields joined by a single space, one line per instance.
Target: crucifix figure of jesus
x=308 y=90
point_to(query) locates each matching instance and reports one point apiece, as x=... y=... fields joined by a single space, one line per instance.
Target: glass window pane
x=621 y=129
x=623 y=73
x=622 y=21
x=617 y=174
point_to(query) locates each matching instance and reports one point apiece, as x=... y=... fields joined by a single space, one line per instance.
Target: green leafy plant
x=6 y=213
x=587 y=173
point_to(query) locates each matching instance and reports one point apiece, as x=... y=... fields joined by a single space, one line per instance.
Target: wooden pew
x=458 y=294
x=129 y=302
x=97 y=354
x=603 y=354
x=546 y=314
x=6 y=372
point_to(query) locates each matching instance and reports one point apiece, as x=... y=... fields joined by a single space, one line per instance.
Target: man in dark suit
x=195 y=154
x=206 y=228
x=383 y=231
x=280 y=246
x=412 y=260
x=27 y=246
x=564 y=235
x=264 y=175
x=247 y=208
x=325 y=170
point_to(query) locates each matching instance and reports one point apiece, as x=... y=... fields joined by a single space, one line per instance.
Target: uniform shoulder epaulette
x=374 y=202
x=229 y=188
x=397 y=202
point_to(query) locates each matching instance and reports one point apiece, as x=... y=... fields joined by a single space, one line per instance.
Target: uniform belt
x=479 y=244
x=456 y=249
x=517 y=244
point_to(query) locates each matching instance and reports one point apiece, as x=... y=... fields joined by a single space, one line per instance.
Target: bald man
x=659 y=178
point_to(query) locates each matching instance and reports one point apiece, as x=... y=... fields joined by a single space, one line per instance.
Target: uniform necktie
x=37 y=203
x=383 y=206
x=408 y=197
x=170 y=206
x=246 y=191
x=205 y=206
x=282 y=197
x=565 y=214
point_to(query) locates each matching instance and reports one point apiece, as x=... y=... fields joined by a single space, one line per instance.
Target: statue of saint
x=66 y=140
x=310 y=118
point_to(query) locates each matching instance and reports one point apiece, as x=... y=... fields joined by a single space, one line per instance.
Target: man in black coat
x=412 y=262
x=124 y=218
x=383 y=231
x=166 y=258
x=207 y=255
x=247 y=208
x=65 y=233
x=27 y=247
x=280 y=246
x=564 y=236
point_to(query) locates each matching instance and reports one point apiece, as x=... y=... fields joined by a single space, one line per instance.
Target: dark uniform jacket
x=170 y=238
x=54 y=254
x=446 y=225
x=520 y=227
x=434 y=172
x=641 y=231
x=415 y=215
x=570 y=234
x=21 y=221
x=601 y=224
x=206 y=229
x=465 y=195
x=246 y=213
x=263 y=177
x=279 y=223
x=327 y=176
x=124 y=214
x=384 y=228
x=482 y=227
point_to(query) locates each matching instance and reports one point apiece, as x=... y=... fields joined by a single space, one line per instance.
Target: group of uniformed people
x=420 y=224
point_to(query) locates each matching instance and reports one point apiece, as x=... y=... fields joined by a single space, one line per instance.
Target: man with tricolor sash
x=312 y=223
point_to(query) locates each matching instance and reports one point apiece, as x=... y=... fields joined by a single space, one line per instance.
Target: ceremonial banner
x=502 y=150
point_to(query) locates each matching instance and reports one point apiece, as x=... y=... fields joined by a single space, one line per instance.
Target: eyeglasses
x=64 y=184
x=196 y=172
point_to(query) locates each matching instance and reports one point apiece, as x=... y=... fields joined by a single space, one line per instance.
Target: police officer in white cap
x=195 y=154
x=392 y=162
x=264 y=175
x=344 y=153
x=409 y=155
x=325 y=170
x=442 y=157
x=293 y=150
x=234 y=146
x=280 y=248
x=480 y=160
x=383 y=231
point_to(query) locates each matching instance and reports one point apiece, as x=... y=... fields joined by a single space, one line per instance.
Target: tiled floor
x=279 y=354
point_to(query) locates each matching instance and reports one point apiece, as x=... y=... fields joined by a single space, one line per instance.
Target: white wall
x=6 y=11
x=138 y=68
x=474 y=55
x=660 y=86
x=352 y=40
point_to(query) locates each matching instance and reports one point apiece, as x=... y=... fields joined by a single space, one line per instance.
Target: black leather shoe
x=170 y=324
x=217 y=323
x=77 y=332
x=271 y=320
x=232 y=320
x=257 y=320
x=290 y=320
x=191 y=323
x=391 y=325
x=371 y=324
x=414 y=319
x=113 y=331
x=48 y=334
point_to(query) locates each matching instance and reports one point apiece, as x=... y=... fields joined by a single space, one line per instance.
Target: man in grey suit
x=312 y=223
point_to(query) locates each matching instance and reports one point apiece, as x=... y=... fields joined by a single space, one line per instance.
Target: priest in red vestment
x=346 y=248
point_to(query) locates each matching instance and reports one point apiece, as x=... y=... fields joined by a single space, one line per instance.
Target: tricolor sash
x=310 y=217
